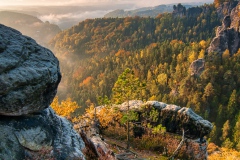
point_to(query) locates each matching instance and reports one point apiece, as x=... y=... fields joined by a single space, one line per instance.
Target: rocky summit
x=227 y=35
x=29 y=74
x=29 y=77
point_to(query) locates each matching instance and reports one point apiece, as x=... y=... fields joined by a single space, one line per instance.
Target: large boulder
x=227 y=35
x=30 y=129
x=173 y=117
x=39 y=132
x=29 y=74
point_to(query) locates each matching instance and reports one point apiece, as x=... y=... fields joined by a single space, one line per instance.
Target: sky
x=140 y=3
x=65 y=17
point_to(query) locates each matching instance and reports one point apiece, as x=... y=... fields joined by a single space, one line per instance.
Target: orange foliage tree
x=65 y=108
x=106 y=115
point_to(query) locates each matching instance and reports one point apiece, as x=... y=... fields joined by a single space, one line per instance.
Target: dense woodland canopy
x=159 y=51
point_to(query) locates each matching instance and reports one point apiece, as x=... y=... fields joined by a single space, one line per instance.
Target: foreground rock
x=227 y=35
x=20 y=136
x=29 y=74
x=174 y=118
x=178 y=120
x=30 y=129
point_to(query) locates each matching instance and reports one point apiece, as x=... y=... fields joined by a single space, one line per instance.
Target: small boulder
x=197 y=67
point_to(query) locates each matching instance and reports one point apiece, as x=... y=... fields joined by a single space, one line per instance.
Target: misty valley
x=121 y=80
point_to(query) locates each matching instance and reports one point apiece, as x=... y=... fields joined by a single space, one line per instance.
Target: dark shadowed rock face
x=227 y=35
x=29 y=74
x=225 y=9
x=39 y=132
x=194 y=11
x=179 y=11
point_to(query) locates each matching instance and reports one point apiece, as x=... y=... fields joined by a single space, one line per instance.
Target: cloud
x=69 y=19
x=57 y=18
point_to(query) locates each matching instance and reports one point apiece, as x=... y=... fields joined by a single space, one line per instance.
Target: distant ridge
x=147 y=11
x=29 y=25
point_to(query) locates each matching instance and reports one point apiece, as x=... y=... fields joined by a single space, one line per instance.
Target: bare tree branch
x=179 y=146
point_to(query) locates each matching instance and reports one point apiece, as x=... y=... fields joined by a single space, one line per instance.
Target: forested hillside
x=147 y=11
x=159 y=51
x=29 y=25
x=108 y=35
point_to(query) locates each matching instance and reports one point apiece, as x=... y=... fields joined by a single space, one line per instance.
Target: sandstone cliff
x=227 y=35
x=225 y=9
x=29 y=77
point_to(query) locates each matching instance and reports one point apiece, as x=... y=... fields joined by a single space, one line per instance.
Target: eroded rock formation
x=225 y=9
x=37 y=133
x=181 y=11
x=29 y=76
x=227 y=35
x=178 y=120
x=197 y=67
x=174 y=118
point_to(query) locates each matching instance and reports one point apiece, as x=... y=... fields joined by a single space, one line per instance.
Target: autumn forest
x=158 y=52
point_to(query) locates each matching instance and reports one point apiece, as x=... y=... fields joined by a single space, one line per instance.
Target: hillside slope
x=31 y=26
x=162 y=52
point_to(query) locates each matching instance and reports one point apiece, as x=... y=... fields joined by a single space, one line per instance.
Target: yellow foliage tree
x=162 y=79
x=226 y=54
x=106 y=115
x=65 y=108
x=201 y=54
x=224 y=154
x=203 y=44
x=192 y=56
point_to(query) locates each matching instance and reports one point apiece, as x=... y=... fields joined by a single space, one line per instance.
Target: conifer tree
x=126 y=88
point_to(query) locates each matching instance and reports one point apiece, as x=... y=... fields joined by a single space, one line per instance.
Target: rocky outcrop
x=197 y=67
x=174 y=118
x=225 y=8
x=179 y=10
x=227 y=35
x=194 y=11
x=178 y=120
x=39 y=132
x=29 y=76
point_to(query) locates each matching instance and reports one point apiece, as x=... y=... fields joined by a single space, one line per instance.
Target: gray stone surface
x=29 y=74
x=29 y=128
x=174 y=118
x=225 y=9
x=197 y=67
x=36 y=132
x=227 y=35
x=9 y=145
